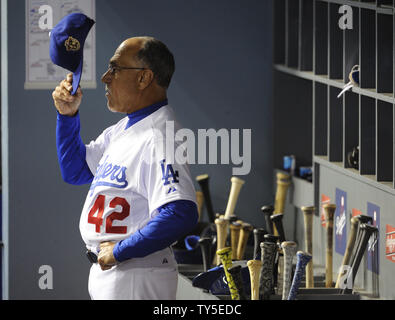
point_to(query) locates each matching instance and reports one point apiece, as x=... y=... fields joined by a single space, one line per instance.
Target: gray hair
x=157 y=57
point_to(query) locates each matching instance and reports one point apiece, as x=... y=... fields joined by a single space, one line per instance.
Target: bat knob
x=268 y=209
x=369 y=228
x=260 y=231
x=283 y=177
x=364 y=219
x=202 y=177
x=308 y=209
x=271 y=238
x=237 y=180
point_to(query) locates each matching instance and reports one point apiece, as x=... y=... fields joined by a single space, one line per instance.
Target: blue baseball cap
x=66 y=44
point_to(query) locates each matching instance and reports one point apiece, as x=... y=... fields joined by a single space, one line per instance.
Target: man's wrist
x=115 y=252
x=64 y=117
x=66 y=114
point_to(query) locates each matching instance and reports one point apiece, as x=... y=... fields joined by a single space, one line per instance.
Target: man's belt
x=92 y=257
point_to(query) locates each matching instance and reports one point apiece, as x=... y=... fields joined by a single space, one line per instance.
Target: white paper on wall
x=41 y=72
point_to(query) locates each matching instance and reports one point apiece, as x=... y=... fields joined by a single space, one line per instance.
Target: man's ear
x=145 y=78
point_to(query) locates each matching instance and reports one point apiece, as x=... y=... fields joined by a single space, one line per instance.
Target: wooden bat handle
x=254 y=267
x=308 y=213
x=222 y=232
x=245 y=231
x=289 y=249
x=225 y=255
x=235 y=228
x=283 y=182
x=330 y=209
x=302 y=259
x=203 y=181
x=349 y=249
x=236 y=185
x=269 y=250
x=200 y=202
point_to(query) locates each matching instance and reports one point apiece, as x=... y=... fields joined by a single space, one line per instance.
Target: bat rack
x=310 y=45
x=316 y=44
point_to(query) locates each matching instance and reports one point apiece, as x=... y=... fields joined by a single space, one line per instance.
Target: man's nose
x=106 y=77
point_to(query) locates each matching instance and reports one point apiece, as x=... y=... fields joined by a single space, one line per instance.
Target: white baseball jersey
x=132 y=178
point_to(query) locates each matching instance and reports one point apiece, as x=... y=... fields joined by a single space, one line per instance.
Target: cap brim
x=77 y=77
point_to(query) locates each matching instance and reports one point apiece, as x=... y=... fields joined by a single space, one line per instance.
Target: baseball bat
x=259 y=234
x=200 y=202
x=267 y=212
x=205 y=246
x=362 y=219
x=203 y=181
x=245 y=231
x=330 y=209
x=274 y=239
x=235 y=272
x=225 y=255
x=366 y=232
x=254 y=267
x=302 y=259
x=280 y=274
x=268 y=254
x=349 y=249
x=308 y=213
x=236 y=185
x=222 y=232
x=289 y=249
x=283 y=182
x=235 y=228
x=277 y=220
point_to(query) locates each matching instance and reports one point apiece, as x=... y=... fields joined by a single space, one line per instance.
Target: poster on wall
x=390 y=243
x=373 y=246
x=324 y=200
x=340 y=221
x=41 y=17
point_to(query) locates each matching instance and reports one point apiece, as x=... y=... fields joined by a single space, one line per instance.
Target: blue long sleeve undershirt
x=174 y=219
x=71 y=151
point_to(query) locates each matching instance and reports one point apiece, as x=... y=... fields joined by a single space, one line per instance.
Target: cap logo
x=72 y=44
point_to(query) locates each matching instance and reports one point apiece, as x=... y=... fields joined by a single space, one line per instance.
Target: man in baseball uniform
x=139 y=203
